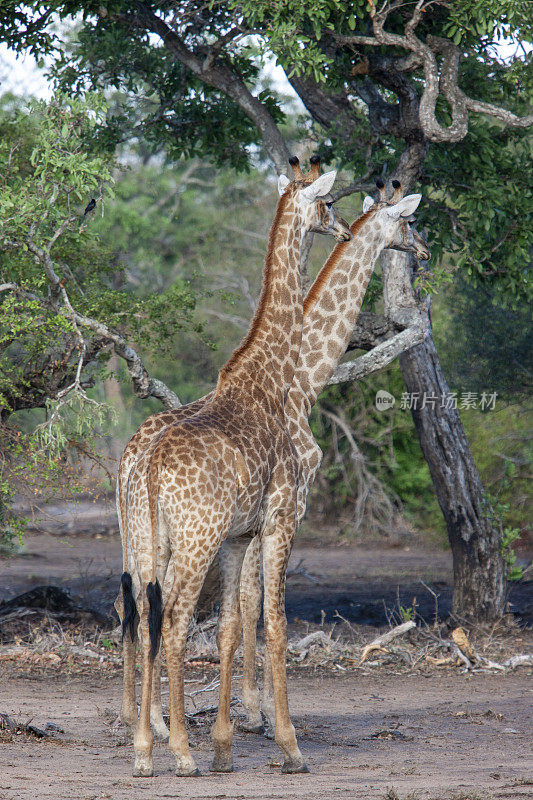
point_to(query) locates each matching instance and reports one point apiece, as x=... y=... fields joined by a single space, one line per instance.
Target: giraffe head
x=311 y=197
x=395 y=216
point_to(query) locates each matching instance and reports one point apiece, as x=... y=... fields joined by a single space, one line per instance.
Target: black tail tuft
x=155 y=616
x=129 y=621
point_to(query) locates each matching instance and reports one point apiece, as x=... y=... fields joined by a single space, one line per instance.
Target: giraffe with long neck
x=201 y=485
x=340 y=285
x=346 y=272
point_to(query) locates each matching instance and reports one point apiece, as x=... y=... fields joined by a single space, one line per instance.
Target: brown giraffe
x=204 y=481
x=347 y=273
x=139 y=442
x=340 y=285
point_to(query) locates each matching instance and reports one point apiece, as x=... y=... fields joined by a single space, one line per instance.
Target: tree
x=393 y=87
x=61 y=316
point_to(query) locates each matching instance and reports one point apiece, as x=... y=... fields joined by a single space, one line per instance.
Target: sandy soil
x=437 y=736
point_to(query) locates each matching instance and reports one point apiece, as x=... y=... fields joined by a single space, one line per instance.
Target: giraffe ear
x=368 y=202
x=320 y=187
x=405 y=207
x=283 y=182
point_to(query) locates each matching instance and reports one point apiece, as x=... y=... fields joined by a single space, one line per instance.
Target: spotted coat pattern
x=202 y=483
x=339 y=287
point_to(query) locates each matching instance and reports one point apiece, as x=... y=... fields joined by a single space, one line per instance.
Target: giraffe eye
x=329 y=204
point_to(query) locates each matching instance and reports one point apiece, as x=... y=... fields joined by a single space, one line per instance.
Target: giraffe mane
x=267 y=279
x=336 y=255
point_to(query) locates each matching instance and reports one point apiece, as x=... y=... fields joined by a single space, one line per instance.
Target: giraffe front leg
x=228 y=634
x=250 y=602
x=276 y=550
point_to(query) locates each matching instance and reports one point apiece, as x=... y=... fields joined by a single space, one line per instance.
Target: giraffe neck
x=265 y=360
x=331 y=309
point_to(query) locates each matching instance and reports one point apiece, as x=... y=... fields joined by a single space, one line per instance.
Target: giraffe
x=348 y=271
x=340 y=285
x=201 y=484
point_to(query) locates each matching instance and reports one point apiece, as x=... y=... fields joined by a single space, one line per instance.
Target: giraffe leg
x=157 y=722
x=250 y=602
x=156 y=712
x=276 y=551
x=143 y=739
x=128 y=710
x=230 y=559
x=178 y=613
x=268 y=708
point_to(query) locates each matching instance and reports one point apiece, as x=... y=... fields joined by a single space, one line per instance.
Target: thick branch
x=444 y=83
x=371 y=330
x=217 y=73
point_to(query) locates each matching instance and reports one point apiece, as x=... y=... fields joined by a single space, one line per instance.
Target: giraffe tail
x=153 y=589
x=155 y=616
x=129 y=620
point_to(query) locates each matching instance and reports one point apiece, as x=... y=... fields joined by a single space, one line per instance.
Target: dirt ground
x=396 y=734
x=437 y=736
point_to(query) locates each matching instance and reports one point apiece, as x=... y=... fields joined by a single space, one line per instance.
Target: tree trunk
x=478 y=567
x=475 y=539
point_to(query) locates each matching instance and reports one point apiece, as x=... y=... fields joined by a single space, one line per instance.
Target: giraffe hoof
x=222 y=765
x=251 y=727
x=161 y=732
x=293 y=767
x=143 y=771
x=187 y=772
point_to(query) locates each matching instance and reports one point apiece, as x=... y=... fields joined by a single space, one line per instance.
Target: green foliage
x=389 y=445
x=510 y=536
x=473 y=21
x=490 y=350
x=48 y=170
x=51 y=171
x=407 y=613
x=481 y=218
x=51 y=167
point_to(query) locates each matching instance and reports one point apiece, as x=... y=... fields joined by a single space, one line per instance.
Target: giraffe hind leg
x=250 y=602
x=143 y=738
x=127 y=611
x=155 y=621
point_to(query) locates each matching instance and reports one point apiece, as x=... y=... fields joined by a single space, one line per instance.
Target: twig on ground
x=378 y=643
x=299 y=569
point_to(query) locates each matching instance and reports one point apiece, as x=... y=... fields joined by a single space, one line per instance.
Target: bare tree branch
x=143 y=385
x=444 y=83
